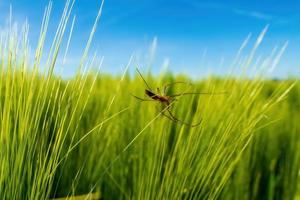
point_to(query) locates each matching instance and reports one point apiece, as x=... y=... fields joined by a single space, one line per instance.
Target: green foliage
x=89 y=134
x=245 y=148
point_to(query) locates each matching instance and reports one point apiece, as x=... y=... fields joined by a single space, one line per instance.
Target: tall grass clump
x=61 y=138
x=269 y=168
x=170 y=161
x=39 y=111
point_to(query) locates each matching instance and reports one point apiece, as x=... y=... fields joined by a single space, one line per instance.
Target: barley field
x=88 y=134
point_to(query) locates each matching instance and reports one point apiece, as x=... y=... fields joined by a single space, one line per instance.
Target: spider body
x=157 y=97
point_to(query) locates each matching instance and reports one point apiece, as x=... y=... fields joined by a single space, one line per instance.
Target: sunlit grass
x=89 y=135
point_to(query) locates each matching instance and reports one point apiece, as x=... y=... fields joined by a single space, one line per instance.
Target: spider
x=166 y=100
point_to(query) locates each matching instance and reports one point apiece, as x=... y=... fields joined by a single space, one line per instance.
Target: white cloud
x=254 y=14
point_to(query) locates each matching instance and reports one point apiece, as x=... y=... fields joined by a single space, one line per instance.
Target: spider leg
x=173 y=99
x=199 y=93
x=167 y=116
x=174 y=119
x=182 y=122
x=141 y=99
x=174 y=83
x=140 y=74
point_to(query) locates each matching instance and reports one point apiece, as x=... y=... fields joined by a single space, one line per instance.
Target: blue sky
x=194 y=37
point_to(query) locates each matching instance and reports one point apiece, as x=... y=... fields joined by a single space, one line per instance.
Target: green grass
x=88 y=134
x=231 y=155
